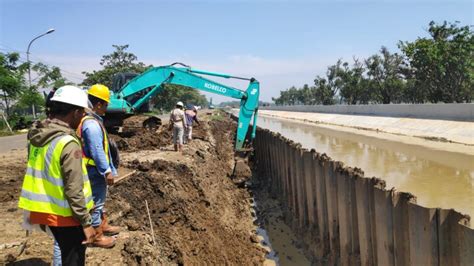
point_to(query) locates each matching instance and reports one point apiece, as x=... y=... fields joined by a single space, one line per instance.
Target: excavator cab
x=116 y=119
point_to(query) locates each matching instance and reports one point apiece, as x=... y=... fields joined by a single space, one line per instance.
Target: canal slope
x=439 y=174
x=461 y=132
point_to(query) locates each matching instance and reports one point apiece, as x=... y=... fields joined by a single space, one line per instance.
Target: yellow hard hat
x=100 y=91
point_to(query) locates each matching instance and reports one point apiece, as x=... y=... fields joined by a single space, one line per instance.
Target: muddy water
x=283 y=243
x=279 y=238
x=436 y=177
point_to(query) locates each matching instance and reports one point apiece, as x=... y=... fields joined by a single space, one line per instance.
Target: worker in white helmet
x=178 y=123
x=56 y=191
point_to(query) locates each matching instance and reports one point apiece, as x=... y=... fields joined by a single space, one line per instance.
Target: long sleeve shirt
x=93 y=140
x=39 y=135
x=191 y=116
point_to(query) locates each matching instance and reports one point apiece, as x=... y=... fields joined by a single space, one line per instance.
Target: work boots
x=101 y=240
x=108 y=229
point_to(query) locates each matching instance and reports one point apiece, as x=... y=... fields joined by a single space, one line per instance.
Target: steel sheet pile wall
x=345 y=218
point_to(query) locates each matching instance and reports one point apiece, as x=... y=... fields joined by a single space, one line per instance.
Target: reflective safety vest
x=90 y=161
x=43 y=184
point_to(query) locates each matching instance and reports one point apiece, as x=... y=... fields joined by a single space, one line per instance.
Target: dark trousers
x=73 y=252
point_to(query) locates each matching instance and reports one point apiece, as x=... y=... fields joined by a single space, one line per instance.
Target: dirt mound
x=195 y=220
x=142 y=139
x=139 y=250
x=199 y=215
x=12 y=171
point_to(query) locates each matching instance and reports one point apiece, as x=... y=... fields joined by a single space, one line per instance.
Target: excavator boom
x=129 y=99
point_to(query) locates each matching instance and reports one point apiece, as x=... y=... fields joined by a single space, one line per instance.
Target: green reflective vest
x=43 y=187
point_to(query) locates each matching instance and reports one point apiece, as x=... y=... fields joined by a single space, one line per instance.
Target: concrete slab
x=454 y=131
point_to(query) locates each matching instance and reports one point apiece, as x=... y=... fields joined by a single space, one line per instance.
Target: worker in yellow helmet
x=56 y=191
x=98 y=159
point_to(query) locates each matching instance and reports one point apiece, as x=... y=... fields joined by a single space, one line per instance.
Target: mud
x=199 y=214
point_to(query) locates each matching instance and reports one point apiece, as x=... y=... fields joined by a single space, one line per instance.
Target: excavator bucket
x=248 y=110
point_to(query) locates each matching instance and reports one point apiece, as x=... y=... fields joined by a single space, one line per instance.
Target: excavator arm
x=151 y=82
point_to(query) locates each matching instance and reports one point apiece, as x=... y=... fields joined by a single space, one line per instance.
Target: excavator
x=131 y=94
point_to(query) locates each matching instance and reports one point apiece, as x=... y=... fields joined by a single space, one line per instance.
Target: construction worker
x=56 y=192
x=178 y=122
x=191 y=116
x=98 y=159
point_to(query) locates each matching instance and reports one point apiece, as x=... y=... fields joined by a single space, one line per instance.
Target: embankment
x=447 y=123
x=444 y=111
x=346 y=218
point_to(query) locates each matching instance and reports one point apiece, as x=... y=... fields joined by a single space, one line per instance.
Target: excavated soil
x=142 y=139
x=11 y=174
x=199 y=214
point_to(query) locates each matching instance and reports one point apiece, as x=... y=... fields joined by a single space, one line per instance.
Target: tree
x=49 y=77
x=304 y=95
x=14 y=87
x=327 y=88
x=443 y=65
x=323 y=93
x=385 y=77
x=353 y=85
x=289 y=96
x=119 y=61
x=12 y=82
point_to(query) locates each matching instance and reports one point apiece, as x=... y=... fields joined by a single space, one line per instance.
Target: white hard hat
x=180 y=104
x=71 y=95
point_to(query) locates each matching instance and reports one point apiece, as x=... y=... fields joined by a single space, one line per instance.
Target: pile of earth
x=143 y=139
x=199 y=215
x=12 y=171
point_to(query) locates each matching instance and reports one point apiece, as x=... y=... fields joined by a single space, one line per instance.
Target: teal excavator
x=131 y=93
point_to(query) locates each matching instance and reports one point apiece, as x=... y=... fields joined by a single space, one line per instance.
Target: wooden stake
x=124 y=176
x=151 y=224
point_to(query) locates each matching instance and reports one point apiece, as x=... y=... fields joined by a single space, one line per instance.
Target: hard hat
x=70 y=95
x=100 y=91
x=180 y=104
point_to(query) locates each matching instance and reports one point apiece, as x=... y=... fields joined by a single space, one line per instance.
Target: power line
x=12 y=49
x=73 y=75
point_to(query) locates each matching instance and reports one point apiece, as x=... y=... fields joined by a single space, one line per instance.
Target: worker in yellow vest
x=56 y=192
x=98 y=159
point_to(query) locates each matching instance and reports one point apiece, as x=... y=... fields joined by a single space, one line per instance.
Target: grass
x=7 y=133
x=218 y=115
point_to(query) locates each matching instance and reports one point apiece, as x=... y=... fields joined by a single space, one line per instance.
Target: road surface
x=9 y=143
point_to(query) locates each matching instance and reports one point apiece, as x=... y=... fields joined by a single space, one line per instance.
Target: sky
x=280 y=43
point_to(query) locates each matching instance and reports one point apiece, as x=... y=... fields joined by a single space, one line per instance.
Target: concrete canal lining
x=442 y=111
x=448 y=131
